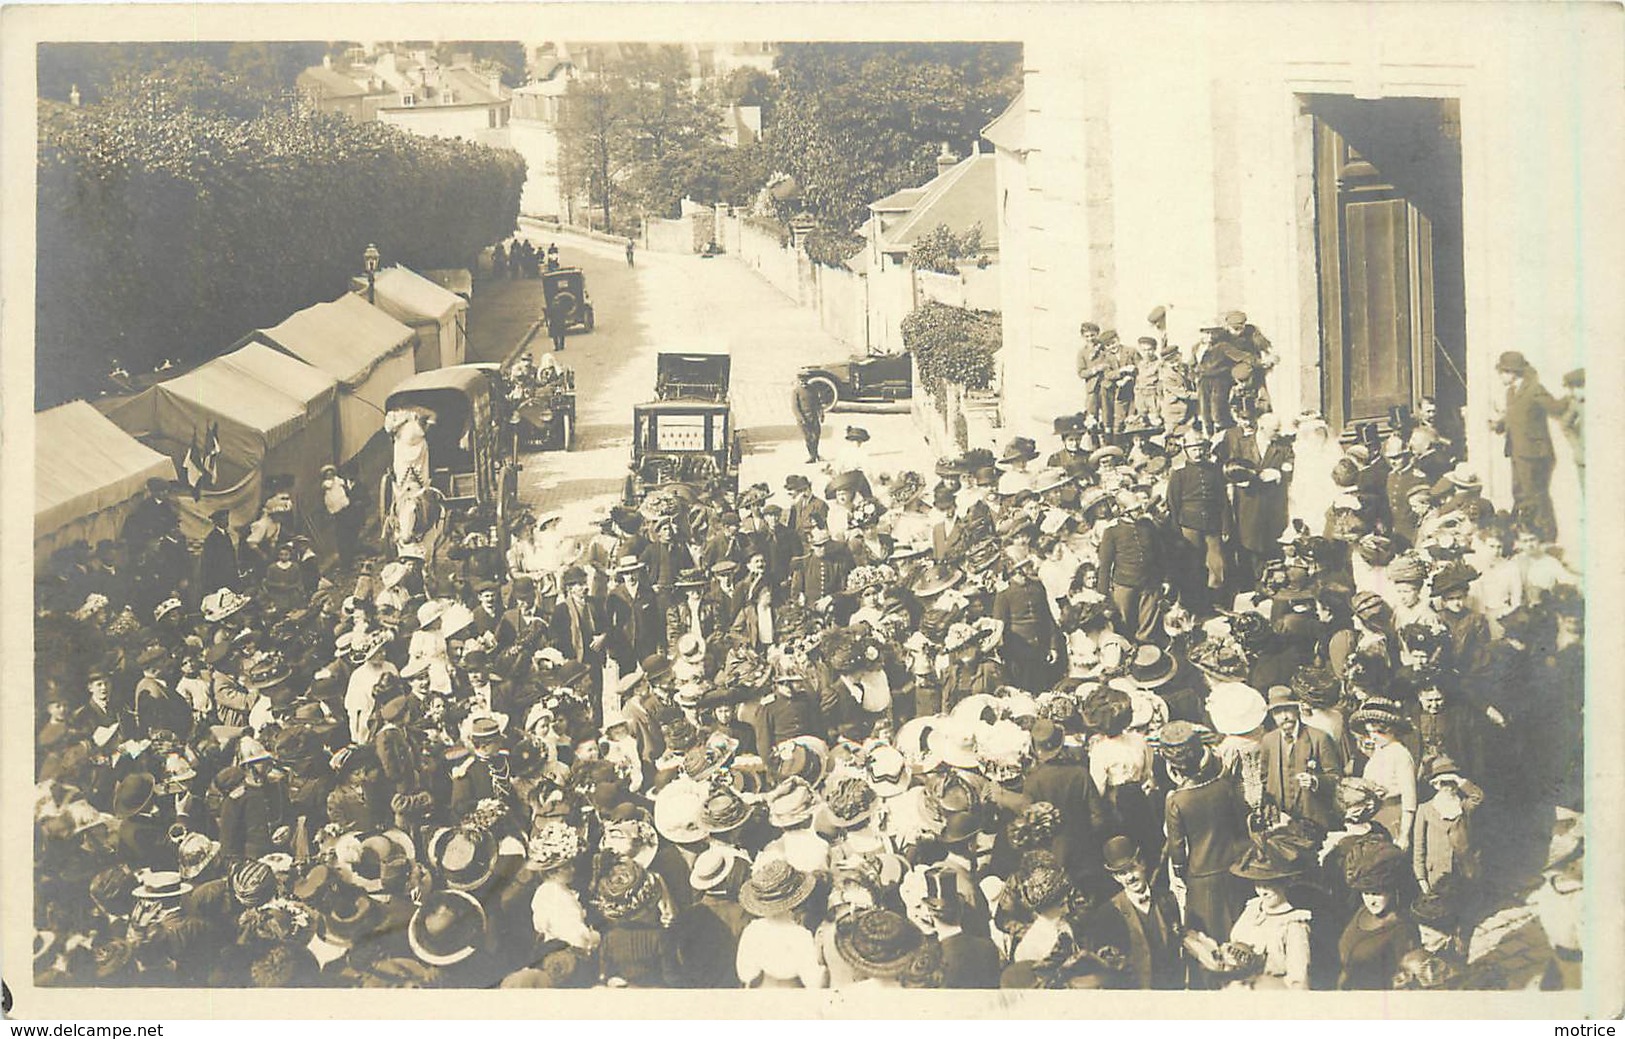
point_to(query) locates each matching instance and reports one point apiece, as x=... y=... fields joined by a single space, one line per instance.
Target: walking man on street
x=1526 y=426
x=558 y=326
x=809 y=415
x=629 y=246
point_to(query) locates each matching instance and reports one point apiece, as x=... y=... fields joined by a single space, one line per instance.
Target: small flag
x=202 y=464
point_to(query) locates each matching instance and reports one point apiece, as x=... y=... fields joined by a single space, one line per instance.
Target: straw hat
x=877 y=943
x=679 y=811
x=775 y=887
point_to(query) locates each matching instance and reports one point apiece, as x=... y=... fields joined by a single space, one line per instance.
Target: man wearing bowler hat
x=1141 y=921
x=809 y=414
x=1301 y=764
x=1525 y=423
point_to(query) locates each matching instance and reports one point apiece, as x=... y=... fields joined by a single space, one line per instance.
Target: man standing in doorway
x=1526 y=426
x=809 y=414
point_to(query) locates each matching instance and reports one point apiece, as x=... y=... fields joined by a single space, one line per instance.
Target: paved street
x=671 y=303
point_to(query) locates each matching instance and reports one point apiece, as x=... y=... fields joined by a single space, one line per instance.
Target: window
x=408 y=100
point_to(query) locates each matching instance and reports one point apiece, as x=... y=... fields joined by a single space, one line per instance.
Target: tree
x=506 y=55
x=641 y=132
x=193 y=210
x=592 y=147
x=854 y=122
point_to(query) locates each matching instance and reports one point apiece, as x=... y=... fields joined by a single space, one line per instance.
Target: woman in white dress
x=1310 y=492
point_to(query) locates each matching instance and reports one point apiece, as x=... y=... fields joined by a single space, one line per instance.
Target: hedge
x=952 y=345
x=170 y=229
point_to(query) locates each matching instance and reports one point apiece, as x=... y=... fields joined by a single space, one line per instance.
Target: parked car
x=686 y=435
x=876 y=379
x=566 y=288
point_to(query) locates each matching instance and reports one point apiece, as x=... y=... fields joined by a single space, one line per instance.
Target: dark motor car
x=686 y=435
x=566 y=289
x=876 y=379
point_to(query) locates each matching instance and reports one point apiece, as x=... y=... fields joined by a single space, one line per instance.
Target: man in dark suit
x=637 y=628
x=809 y=415
x=726 y=543
x=1131 y=568
x=1301 y=763
x=1526 y=425
x=821 y=574
x=218 y=567
x=1199 y=505
x=1033 y=643
x=576 y=629
x=1064 y=781
x=806 y=510
x=777 y=543
x=521 y=625
x=1139 y=921
x=1261 y=498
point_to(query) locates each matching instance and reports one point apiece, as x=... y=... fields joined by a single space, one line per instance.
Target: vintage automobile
x=686 y=436
x=541 y=404
x=451 y=422
x=876 y=379
x=566 y=289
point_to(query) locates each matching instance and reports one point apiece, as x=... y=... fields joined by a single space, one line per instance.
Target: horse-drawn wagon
x=452 y=450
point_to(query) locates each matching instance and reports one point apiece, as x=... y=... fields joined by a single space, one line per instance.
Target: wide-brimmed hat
x=849 y=801
x=268 y=672
x=1040 y=881
x=1384 y=869
x=718 y=866
x=156 y=884
x=465 y=855
x=1454 y=576
x=791 y=802
x=1110 y=453
x=850 y=480
x=194 y=854
x=724 y=810
x=1019 y=449
x=1075 y=424
x=1383 y=711
x=935 y=580
x=775 y=887
x=1236 y=708
x=803 y=757
x=447 y=928
x=886 y=771
x=217 y=606
x=1356 y=792
x=625 y=890
x=679 y=811
x=253 y=883
x=1264 y=863
x=877 y=943
x=352 y=921
x=1316 y=686
x=953 y=742
x=554 y=844
x=133 y=794
x=1152 y=668
x=628 y=564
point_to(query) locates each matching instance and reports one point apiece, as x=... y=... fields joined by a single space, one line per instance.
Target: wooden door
x=1376 y=287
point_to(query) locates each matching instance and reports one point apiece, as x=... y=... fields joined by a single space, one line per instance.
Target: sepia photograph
x=1093 y=500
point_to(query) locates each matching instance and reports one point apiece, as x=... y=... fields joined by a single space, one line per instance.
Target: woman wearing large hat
x=1269 y=924
x=777 y=950
x=877 y=944
x=633 y=950
x=1382 y=931
x=1381 y=722
x=448 y=930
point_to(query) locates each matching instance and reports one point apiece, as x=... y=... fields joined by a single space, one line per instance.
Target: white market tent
x=437 y=316
x=275 y=416
x=364 y=349
x=88 y=476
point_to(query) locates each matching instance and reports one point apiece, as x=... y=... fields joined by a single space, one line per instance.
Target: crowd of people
x=1207 y=699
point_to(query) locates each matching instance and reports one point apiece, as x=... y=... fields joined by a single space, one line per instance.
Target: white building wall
x=1197 y=194
x=431 y=120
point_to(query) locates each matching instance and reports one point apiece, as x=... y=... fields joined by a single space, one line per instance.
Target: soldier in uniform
x=484 y=773
x=809 y=414
x=1033 y=643
x=1130 y=572
x=1198 y=504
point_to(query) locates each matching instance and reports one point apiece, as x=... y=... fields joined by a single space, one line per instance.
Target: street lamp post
x=370 y=260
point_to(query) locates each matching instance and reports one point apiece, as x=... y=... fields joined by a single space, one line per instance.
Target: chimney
x=947 y=160
x=494 y=82
x=73 y=95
